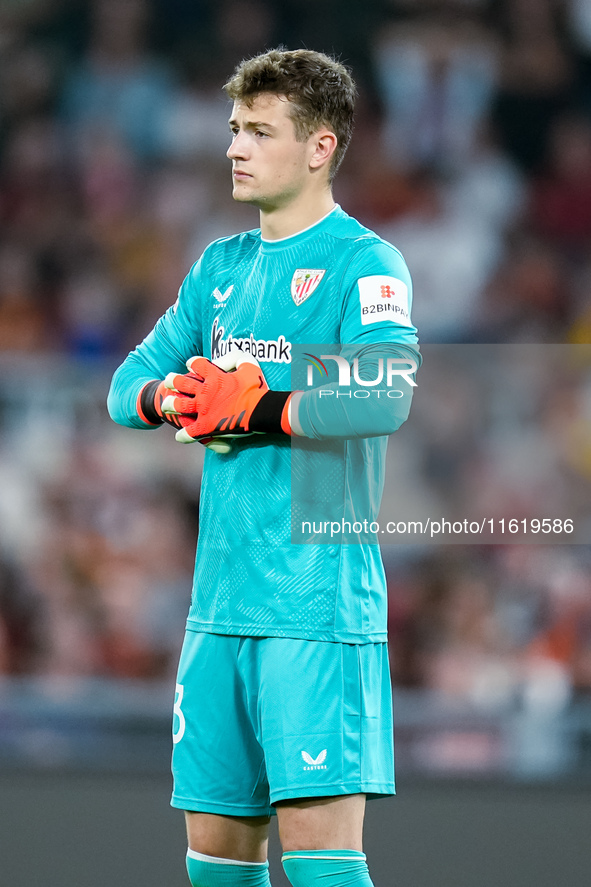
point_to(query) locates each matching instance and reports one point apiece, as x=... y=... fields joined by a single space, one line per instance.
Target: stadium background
x=472 y=152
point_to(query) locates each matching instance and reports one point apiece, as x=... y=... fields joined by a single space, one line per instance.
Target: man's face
x=270 y=168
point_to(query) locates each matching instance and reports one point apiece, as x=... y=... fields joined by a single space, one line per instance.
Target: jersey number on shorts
x=180 y=732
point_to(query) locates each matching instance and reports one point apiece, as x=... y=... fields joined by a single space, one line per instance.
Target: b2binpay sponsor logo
x=384 y=298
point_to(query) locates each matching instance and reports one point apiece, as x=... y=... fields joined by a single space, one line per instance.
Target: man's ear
x=324 y=143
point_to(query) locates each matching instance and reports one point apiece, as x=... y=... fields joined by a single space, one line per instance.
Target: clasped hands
x=214 y=402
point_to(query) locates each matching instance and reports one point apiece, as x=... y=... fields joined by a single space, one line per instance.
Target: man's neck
x=289 y=220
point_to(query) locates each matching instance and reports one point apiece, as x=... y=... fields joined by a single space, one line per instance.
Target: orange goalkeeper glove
x=214 y=402
x=149 y=407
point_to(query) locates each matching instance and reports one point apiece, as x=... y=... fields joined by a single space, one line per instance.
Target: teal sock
x=209 y=871
x=326 y=868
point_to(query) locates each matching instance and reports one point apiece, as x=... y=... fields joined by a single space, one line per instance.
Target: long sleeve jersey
x=336 y=285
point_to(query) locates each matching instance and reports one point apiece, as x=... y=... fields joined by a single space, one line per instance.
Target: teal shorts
x=260 y=720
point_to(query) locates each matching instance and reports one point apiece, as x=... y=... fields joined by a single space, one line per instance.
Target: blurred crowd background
x=472 y=153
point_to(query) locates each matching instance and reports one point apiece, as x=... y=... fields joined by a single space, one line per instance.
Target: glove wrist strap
x=270 y=414
x=146 y=404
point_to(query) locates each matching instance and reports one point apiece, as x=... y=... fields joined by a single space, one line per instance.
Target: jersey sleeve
x=176 y=337
x=377 y=297
x=377 y=333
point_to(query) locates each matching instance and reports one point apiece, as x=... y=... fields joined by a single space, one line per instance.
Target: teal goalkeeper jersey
x=336 y=282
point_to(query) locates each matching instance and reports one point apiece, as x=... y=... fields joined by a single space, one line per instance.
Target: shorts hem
x=372 y=790
x=193 y=805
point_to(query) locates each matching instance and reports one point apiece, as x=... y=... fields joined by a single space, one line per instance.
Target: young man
x=283 y=700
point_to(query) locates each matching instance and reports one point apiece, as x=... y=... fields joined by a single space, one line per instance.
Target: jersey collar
x=294 y=239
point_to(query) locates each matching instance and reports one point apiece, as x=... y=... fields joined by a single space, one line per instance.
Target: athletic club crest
x=304 y=282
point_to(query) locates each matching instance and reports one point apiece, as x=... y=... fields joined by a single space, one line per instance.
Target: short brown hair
x=321 y=91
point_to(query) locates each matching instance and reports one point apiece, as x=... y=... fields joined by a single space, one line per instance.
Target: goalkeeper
x=283 y=698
